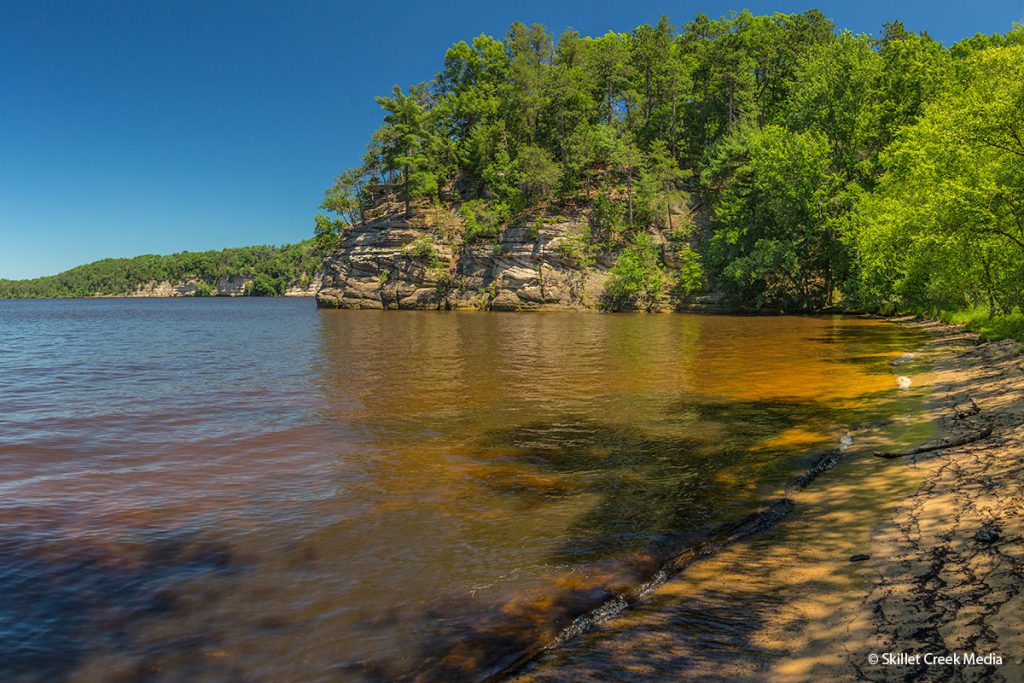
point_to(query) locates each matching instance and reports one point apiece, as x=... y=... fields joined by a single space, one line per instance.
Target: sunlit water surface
x=211 y=489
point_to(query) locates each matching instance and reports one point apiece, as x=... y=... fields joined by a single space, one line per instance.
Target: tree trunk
x=405 y=190
x=629 y=196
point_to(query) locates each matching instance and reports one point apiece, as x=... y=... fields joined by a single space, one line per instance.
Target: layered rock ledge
x=223 y=286
x=398 y=263
x=394 y=263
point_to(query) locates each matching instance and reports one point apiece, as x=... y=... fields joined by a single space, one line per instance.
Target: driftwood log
x=949 y=443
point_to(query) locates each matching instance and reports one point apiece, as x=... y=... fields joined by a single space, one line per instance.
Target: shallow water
x=212 y=489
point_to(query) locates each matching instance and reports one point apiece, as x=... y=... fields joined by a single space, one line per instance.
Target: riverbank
x=943 y=533
x=988 y=327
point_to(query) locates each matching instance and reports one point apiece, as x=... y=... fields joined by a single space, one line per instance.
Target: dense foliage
x=272 y=268
x=797 y=167
x=945 y=226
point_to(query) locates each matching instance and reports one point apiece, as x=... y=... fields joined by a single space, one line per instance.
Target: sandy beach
x=900 y=568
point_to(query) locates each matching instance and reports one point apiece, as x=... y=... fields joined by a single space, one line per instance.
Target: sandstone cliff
x=397 y=263
x=224 y=286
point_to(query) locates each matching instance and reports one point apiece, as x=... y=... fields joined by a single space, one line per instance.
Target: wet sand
x=944 y=535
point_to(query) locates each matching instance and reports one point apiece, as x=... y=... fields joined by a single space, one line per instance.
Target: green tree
x=946 y=227
x=836 y=91
x=605 y=66
x=345 y=197
x=776 y=241
x=326 y=234
x=539 y=174
x=664 y=178
x=265 y=285
x=406 y=142
x=915 y=69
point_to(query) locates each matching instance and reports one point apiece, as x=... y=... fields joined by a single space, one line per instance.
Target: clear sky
x=131 y=127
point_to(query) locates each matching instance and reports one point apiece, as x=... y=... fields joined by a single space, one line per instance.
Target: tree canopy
x=798 y=167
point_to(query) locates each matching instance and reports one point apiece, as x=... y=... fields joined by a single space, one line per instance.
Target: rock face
x=224 y=286
x=231 y=286
x=166 y=289
x=394 y=263
x=311 y=290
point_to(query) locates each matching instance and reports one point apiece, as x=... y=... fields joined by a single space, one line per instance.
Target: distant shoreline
x=128 y=296
x=260 y=270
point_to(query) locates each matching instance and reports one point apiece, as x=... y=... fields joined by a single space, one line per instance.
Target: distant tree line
x=790 y=166
x=272 y=269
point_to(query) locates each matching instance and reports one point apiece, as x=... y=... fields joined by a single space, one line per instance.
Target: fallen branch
x=952 y=443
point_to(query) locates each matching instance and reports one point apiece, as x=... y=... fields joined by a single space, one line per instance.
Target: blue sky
x=133 y=127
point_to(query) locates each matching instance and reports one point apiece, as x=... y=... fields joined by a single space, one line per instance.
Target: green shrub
x=989 y=327
x=539 y=174
x=264 y=285
x=203 y=288
x=423 y=248
x=483 y=220
x=606 y=215
x=578 y=247
x=638 y=278
x=691 y=273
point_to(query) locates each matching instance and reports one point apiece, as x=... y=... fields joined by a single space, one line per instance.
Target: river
x=254 y=489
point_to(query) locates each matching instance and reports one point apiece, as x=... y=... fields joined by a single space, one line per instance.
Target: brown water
x=210 y=490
